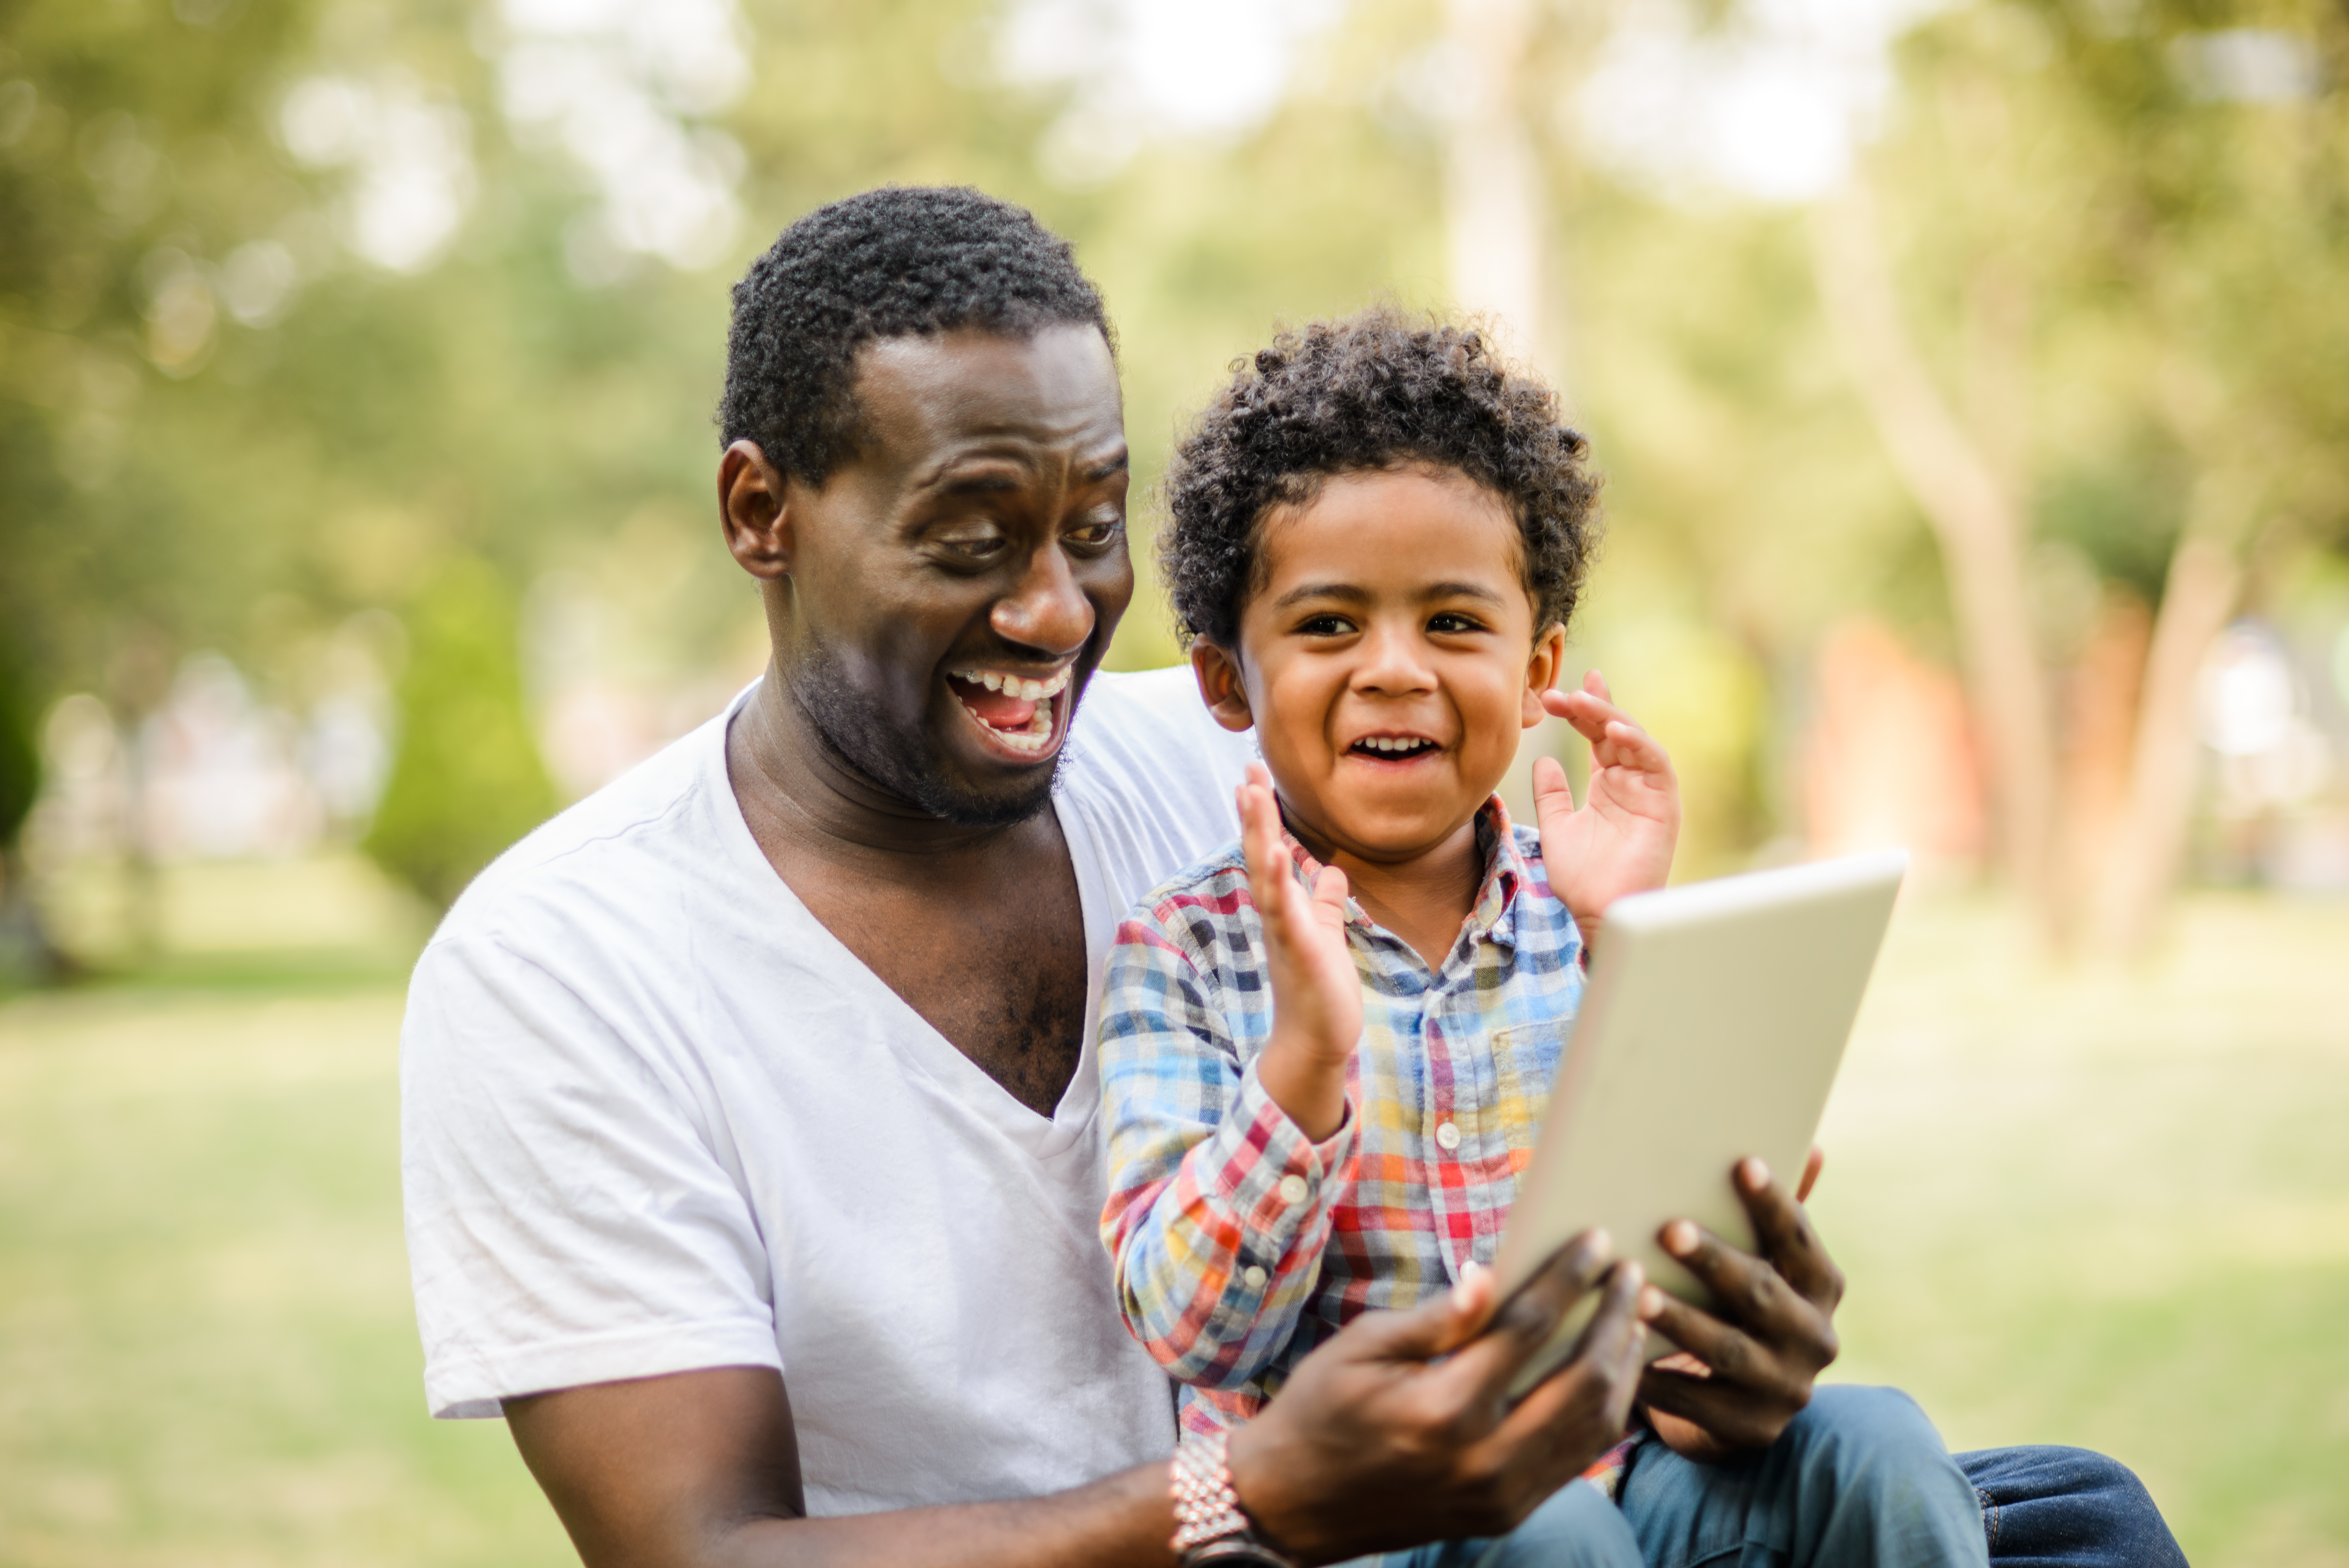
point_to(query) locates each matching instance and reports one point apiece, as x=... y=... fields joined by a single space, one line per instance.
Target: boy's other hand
x=1621 y=838
x=1316 y=997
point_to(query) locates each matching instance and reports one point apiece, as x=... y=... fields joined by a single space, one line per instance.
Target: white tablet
x=1715 y=1018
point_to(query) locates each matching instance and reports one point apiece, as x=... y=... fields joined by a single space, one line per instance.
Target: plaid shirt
x=1240 y=1243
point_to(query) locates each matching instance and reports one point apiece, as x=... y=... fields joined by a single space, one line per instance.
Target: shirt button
x=1253 y=1276
x=1292 y=1189
x=1448 y=1136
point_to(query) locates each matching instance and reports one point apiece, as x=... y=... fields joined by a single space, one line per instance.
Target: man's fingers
x=1748 y=1289
x=1605 y=1363
x=1728 y=1351
x=1436 y=1326
x=1735 y=1415
x=1787 y=1239
x=1526 y=1323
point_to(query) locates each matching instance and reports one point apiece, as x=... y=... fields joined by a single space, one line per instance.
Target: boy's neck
x=1423 y=898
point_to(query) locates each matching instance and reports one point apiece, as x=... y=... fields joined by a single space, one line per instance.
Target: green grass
x=2102 y=1211
x=2114 y=1211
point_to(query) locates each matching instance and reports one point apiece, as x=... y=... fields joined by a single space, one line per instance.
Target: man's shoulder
x=609 y=855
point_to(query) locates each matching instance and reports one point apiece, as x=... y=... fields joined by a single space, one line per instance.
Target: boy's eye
x=1325 y=627
x=1453 y=621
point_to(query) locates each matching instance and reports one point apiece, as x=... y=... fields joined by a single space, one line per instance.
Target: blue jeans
x=1858 y=1478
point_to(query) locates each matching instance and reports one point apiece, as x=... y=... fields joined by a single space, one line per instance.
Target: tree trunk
x=1495 y=217
x=2149 y=840
x=1975 y=521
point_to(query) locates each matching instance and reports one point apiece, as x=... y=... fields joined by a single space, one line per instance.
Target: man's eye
x=984 y=546
x=1100 y=531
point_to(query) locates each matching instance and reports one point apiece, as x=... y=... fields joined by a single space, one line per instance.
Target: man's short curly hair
x=898 y=262
x=1378 y=390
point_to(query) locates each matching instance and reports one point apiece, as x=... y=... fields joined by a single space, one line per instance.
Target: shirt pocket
x=1525 y=1064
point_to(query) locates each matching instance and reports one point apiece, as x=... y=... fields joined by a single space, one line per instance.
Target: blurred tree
x=468 y=780
x=2123 y=242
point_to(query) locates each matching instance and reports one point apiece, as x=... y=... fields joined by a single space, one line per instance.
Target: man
x=750 y=1141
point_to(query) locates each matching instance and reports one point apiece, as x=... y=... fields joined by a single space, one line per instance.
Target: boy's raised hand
x=1621 y=839
x=1316 y=997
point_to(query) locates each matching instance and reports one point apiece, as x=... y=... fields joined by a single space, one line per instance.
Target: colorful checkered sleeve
x=1220 y=1205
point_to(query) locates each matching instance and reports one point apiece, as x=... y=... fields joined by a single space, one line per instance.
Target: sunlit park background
x=1973 y=381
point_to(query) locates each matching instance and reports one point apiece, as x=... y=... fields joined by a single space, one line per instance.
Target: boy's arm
x=1219 y=1203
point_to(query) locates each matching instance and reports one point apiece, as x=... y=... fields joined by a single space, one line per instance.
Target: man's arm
x=1397 y=1431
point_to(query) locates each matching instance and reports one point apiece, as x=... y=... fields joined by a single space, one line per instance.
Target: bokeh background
x=1971 y=379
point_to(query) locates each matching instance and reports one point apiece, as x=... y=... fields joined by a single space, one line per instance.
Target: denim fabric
x=2067 y=1508
x=1860 y=1478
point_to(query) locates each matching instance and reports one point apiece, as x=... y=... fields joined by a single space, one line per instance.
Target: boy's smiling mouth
x=1020 y=712
x=1393 y=748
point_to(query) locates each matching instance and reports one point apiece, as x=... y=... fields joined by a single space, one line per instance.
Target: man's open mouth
x=1392 y=748
x=1019 y=712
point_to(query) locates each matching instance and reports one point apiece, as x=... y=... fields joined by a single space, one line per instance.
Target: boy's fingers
x=1329 y=890
x=1552 y=791
x=1596 y=684
x=1811 y=1169
x=1634 y=746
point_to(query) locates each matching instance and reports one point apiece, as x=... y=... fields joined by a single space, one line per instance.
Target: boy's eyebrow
x=1345 y=592
x=1353 y=594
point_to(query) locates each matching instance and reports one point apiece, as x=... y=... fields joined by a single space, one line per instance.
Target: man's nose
x=1046 y=610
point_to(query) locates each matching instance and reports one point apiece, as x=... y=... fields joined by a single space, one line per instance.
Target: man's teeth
x=1016 y=686
x=1035 y=736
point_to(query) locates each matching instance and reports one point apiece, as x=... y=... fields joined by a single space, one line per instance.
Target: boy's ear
x=1220 y=687
x=1541 y=673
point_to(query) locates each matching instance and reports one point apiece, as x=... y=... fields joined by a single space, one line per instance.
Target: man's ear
x=1541 y=673
x=753 y=509
x=1220 y=686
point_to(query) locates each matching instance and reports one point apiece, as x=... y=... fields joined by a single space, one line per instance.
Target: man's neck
x=787 y=777
x=1422 y=898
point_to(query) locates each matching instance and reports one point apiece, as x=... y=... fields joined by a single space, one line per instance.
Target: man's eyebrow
x=993 y=480
x=1106 y=467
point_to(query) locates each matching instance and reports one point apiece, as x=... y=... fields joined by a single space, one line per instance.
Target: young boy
x=1325 y=1051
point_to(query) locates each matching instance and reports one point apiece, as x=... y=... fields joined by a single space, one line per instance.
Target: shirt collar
x=1505 y=871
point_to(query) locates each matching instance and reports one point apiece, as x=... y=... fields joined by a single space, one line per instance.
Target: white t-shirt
x=655 y=1118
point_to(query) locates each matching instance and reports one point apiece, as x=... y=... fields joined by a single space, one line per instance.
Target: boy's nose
x=1393 y=663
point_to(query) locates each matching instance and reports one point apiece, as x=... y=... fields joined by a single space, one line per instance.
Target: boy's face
x=1389 y=661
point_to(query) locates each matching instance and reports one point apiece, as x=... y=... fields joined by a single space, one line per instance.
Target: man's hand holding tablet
x=1716 y=1018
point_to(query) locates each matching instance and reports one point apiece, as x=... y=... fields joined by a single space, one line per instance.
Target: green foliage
x=467 y=780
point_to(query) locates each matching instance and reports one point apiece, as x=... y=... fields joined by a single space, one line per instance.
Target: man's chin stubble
x=906 y=764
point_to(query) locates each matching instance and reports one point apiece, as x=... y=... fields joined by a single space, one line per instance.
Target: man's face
x=952 y=587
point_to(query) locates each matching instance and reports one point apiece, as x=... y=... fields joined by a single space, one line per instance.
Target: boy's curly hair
x=1379 y=389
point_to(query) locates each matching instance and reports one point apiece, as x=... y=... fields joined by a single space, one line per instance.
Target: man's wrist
x=1211 y=1525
